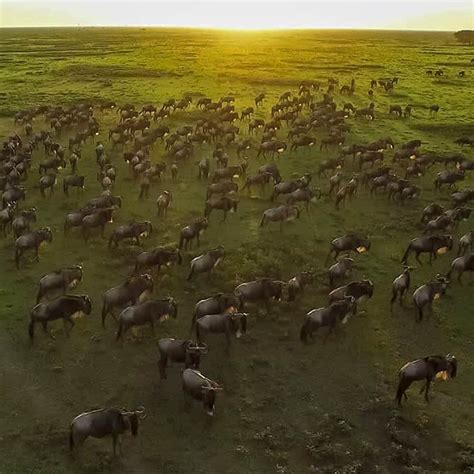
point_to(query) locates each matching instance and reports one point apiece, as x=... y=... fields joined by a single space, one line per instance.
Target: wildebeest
x=216 y=304
x=264 y=289
x=146 y=313
x=305 y=195
x=297 y=283
x=73 y=180
x=348 y=243
x=341 y=269
x=427 y=369
x=99 y=218
x=31 y=240
x=440 y=224
x=260 y=179
x=204 y=167
x=449 y=178
x=360 y=290
x=199 y=387
x=400 y=285
x=223 y=187
x=461 y=265
x=6 y=217
x=272 y=147
x=59 y=281
x=432 y=244
x=434 y=109
x=226 y=323
x=395 y=110
x=328 y=316
x=426 y=294
x=104 y=422
x=48 y=181
x=280 y=214
x=133 y=290
x=14 y=194
x=105 y=201
x=65 y=307
x=184 y=352
x=222 y=203
x=133 y=230
x=192 y=231
x=466 y=242
x=164 y=202
x=430 y=211
x=157 y=257
x=206 y=262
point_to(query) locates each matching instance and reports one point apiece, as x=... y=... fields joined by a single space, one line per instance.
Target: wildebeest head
x=86 y=304
x=229 y=303
x=239 y=323
x=452 y=365
x=368 y=287
x=193 y=354
x=46 y=234
x=273 y=288
x=172 y=307
x=209 y=397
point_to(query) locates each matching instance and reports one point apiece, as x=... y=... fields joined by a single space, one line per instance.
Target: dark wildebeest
x=243 y=147
x=223 y=187
x=341 y=269
x=75 y=181
x=395 y=110
x=13 y=195
x=216 y=304
x=199 y=387
x=348 y=243
x=264 y=289
x=21 y=224
x=259 y=99
x=432 y=244
x=430 y=211
x=133 y=290
x=99 y=218
x=462 y=197
x=74 y=219
x=146 y=313
x=59 y=281
x=104 y=422
x=48 y=181
x=466 y=242
x=348 y=189
x=206 y=262
x=461 y=265
x=305 y=195
x=434 y=109
x=227 y=323
x=329 y=316
x=280 y=214
x=272 y=147
x=6 y=217
x=31 y=240
x=163 y=203
x=157 y=257
x=297 y=283
x=184 y=352
x=426 y=294
x=134 y=230
x=192 y=231
x=360 y=290
x=65 y=307
x=203 y=167
x=464 y=141
x=106 y=200
x=287 y=187
x=427 y=369
x=400 y=285
x=449 y=178
x=302 y=141
x=223 y=203
x=440 y=224
x=260 y=179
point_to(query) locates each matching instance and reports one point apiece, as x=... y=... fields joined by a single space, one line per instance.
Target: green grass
x=286 y=407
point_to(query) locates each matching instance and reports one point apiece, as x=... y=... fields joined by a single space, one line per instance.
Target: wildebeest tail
x=190 y=274
x=39 y=295
x=65 y=187
x=262 y=222
x=405 y=255
x=304 y=331
x=120 y=330
x=104 y=313
x=31 y=329
x=402 y=386
x=71 y=439
x=17 y=257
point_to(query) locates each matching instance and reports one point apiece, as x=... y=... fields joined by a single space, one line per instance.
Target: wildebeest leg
x=45 y=326
x=152 y=324
x=37 y=253
x=138 y=239
x=67 y=329
x=428 y=383
x=417 y=258
x=225 y=216
x=394 y=297
x=114 y=441
x=402 y=294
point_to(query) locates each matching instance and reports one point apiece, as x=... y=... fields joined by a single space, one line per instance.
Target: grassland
x=287 y=408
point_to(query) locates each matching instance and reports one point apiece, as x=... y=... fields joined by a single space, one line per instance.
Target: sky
x=443 y=15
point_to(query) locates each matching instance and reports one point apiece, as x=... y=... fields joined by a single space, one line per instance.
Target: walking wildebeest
x=157 y=257
x=427 y=369
x=13 y=195
x=192 y=231
x=199 y=387
x=360 y=290
x=104 y=422
x=449 y=178
x=21 y=224
x=466 y=242
x=134 y=230
x=264 y=289
x=223 y=203
x=206 y=262
x=328 y=316
x=146 y=313
x=432 y=244
x=59 y=281
x=31 y=240
x=99 y=218
x=216 y=304
x=65 y=307
x=348 y=243
x=339 y=270
x=6 y=217
x=133 y=290
x=461 y=265
x=297 y=283
x=400 y=285
x=280 y=214
x=164 y=202
x=305 y=195
x=430 y=211
x=426 y=294
x=185 y=352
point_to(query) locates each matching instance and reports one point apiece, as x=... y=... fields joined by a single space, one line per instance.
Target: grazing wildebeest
x=104 y=422
x=73 y=180
x=427 y=369
x=223 y=203
x=264 y=289
x=400 y=285
x=157 y=257
x=13 y=195
x=271 y=168
x=449 y=178
x=272 y=147
x=432 y=244
x=242 y=147
x=192 y=231
x=466 y=242
x=133 y=230
x=426 y=294
x=297 y=283
x=430 y=211
x=349 y=189
x=146 y=313
x=206 y=262
x=133 y=290
x=434 y=109
x=99 y=218
x=65 y=307
x=462 y=197
x=464 y=141
x=328 y=316
x=407 y=111
x=259 y=99
x=440 y=224
x=280 y=214
x=21 y=224
x=184 y=352
x=199 y=387
x=461 y=265
x=223 y=187
x=331 y=164
x=360 y=290
x=260 y=179
x=106 y=200
x=305 y=195
x=348 y=243
x=227 y=323
x=395 y=110
x=59 y=281
x=6 y=217
x=256 y=124
x=339 y=270
x=31 y=240
x=216 y=304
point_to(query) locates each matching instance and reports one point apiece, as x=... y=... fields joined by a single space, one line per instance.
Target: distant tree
x=465 y=36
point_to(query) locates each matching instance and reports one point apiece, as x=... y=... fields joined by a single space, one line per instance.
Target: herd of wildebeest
x=292 y=123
